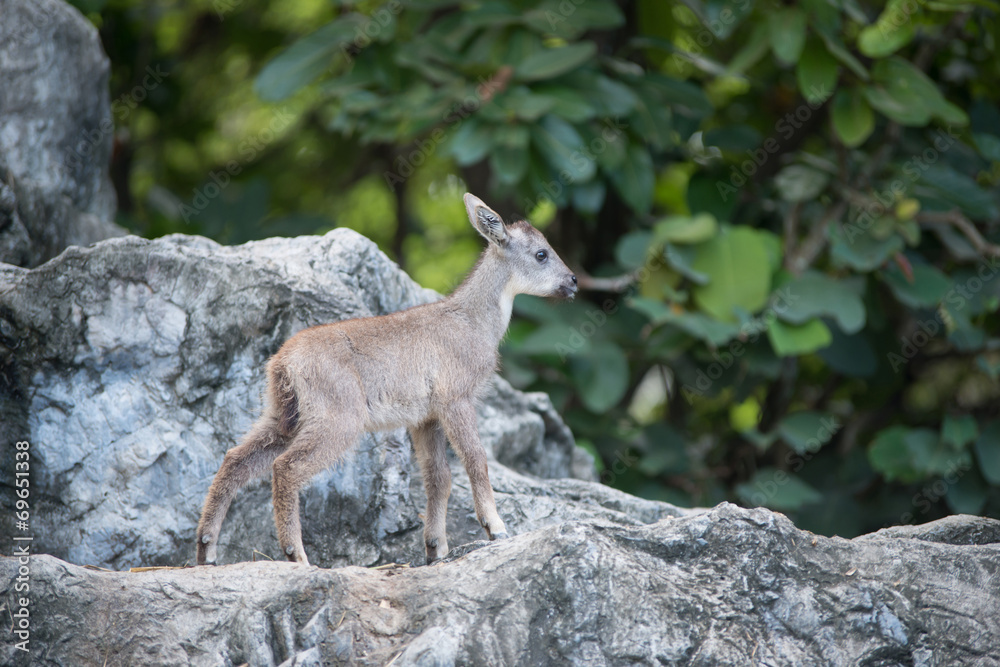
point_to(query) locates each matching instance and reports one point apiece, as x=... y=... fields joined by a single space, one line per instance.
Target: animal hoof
x=498 y=536
x=206 y=553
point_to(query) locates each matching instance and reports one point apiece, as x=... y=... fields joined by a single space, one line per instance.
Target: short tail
x=286 y=401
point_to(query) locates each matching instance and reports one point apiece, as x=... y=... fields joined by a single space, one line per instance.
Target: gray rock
x=727 y=587
x=56 y=132
x=132 y=366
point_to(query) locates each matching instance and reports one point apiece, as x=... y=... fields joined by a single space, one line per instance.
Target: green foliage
x=788 y=215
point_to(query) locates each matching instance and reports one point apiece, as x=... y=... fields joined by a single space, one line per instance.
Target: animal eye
x=541 y=255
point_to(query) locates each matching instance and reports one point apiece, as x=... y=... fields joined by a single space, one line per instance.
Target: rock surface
x=56 y=132
x=131 y=367
x=727 y=587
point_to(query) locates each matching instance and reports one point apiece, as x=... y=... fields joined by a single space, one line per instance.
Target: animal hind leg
x=243 y=463
x=430 y=445
x=460 y=425
x=314 y=449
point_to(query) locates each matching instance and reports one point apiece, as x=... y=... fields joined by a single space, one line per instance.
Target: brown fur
x=285 y=399
x=422 y=368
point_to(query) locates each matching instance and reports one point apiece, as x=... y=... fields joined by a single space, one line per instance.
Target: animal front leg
x=460 y=425
x=430 y=446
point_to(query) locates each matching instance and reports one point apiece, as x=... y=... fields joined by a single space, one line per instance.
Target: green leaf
x=681 y=259
x=471 y=142
x=616 y=98
x=305 y=60
x=928 y=288
x=736 y=262
x=897 y=107
x=798 y=182
x=701 y=326
x=551 y=63
x=569 y=21
x=512 y=136
x=568 y=103
x=665 y=451
x=589 y=197
x=968 y=494
x=814 y=294
x=836 y=47
x=908 y=96
x=601 y=377
x=703 y=195
x=853 y=119
x=961 y=191
x=787 y=30
x=686 y=228
x=807 y=431
x=850 y=355
x=553 y=338
x=858 y=249
x=912 y=454
x=959 y=431
x=778 y=490
x=563 y=149
x=753 y=50
x=817 y=73
x=526 y=105
x=635 y=179
x=893 y=30
x=509 y=164
x=683 y=94
x=733 y=138
x=633 y=249
x=988 y=145
x=988 y=452
x=790 y=340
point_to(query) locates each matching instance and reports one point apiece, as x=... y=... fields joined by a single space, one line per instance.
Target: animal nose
x=573 y=278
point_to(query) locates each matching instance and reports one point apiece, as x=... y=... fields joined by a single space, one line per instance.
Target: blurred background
x=786 y=215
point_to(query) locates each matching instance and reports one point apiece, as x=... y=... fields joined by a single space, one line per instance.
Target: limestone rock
x=727 y=587
x=56 y=132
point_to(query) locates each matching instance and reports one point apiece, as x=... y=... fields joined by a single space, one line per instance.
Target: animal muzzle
x=568 y=289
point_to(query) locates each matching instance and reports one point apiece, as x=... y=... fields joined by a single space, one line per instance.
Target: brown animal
x=422 y=368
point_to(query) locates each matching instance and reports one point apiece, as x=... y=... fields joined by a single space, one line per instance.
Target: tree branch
x=615 y=284
x=962 y=224
x=807 y=251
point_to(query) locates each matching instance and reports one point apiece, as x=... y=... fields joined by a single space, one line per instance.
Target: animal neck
x=487 y=295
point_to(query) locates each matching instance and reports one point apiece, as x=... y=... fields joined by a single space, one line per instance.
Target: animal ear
x=486 y=221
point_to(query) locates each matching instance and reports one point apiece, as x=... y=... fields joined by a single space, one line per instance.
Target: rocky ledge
x=730 y=586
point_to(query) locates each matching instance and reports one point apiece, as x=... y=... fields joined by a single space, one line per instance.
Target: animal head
x=535 y=267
